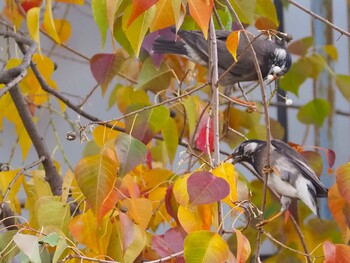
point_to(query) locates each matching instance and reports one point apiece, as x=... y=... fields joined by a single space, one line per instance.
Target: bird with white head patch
x=290 y=176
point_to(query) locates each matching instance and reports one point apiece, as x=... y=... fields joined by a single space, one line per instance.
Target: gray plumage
x=194 y=46
x=291 y=176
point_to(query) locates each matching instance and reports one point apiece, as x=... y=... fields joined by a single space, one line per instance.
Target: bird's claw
x=267 y=170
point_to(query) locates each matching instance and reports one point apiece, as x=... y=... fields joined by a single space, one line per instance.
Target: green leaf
x=266 y=8
x=154 y=79
x=7 y=247
x=171 y=138
x=99 y=13
x=226 y=19
x=51 y=239
x=245 y=10
x=205 y=246
x=120 y=36
x=343 y=84
x=51 y=211
x=317 y=63
x=146 y=124
x=314 y=112
x=96 y=176
x=297 y=74
x=136 y=32
x=191 y=113
x=130 y=152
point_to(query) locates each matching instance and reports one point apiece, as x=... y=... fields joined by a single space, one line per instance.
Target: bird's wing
x=299 y=162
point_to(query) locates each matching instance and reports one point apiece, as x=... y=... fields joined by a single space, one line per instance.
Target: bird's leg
x=285 y=201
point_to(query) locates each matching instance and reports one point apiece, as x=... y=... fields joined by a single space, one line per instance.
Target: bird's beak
x=232 y=158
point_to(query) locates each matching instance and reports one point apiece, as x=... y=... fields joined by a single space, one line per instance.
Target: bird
x=290 y=175
x=273 y=56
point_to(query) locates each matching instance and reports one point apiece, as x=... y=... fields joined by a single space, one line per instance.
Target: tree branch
x=316 y=16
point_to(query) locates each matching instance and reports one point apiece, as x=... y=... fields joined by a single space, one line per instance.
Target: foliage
x=126 y=200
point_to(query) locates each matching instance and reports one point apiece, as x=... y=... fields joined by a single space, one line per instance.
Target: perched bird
x=290 y=176
x=273 y=56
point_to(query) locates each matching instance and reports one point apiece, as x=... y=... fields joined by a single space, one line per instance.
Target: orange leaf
x=33 y=17
x=335 y=253
x=342 y=175
x=138 y=7
x=232 y=43
x=339 y=209
x=201 y=10
x=243 y=247
x=49 y=24
x=140 y=210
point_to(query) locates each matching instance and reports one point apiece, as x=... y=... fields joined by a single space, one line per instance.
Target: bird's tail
x=163 y=46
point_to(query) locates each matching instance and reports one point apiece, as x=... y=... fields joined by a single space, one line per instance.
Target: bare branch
x=316 y=16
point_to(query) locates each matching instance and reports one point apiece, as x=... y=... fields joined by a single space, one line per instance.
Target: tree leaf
x=29 y=245
x=104 y=67
x=227 y=172
x=52 y=212
x=136 y=31
x=317 y=64
x=171 y=138
x=297 y=74
x=205 y=188
x=343 y=84
x=335 y=252
x=331 y=51
x=191 y=113
x=205 y=137
x=266 y=9
x=301 y=46
x=192 y=218
x=170 y=203
x=232 y=43
x=138 y=7
x=140 y=210
x=170 y=242
x=314 y=112
x=49 y=24
x=146 y=124
x=164 y=16
x=342 y=176
x=111 y=8
x=154 y=79
x=33 y=17
x=127 y=95
x=180 y=190
x=243 y=247
x=201 y=10
x=99 y=14
x=96 y=176
x=130 y=152
x=340 y=211
x=205 y=246
x=7 y=247
x=245 y=10
x=64 y=29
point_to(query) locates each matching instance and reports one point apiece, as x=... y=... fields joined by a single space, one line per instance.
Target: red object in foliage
x=28 y=4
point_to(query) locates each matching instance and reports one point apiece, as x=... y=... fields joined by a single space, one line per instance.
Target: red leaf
x=171 y=242
x=205 y=188
x=138 y=7
x=104 y=67
x=335 y=253
x=203 y=137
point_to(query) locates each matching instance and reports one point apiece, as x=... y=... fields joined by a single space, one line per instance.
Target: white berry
x=289 y=102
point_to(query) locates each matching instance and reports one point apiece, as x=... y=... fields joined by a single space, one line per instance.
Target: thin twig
x=301 y=237
x=341 y=31
x=175 y=255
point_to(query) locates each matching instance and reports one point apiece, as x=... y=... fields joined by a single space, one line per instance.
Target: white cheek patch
x=280 y=53
x=250 y=147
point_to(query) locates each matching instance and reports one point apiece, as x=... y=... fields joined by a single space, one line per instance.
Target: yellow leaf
x=190 y=218
x=164 y=16
x=227 y=172
x=49 y=24
x=103 y=135
x=5 y=179
x=140 y=210
x=180 y=190
x=111 y=8
x=33 y=17
x=232 y=43
x=64 y=29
